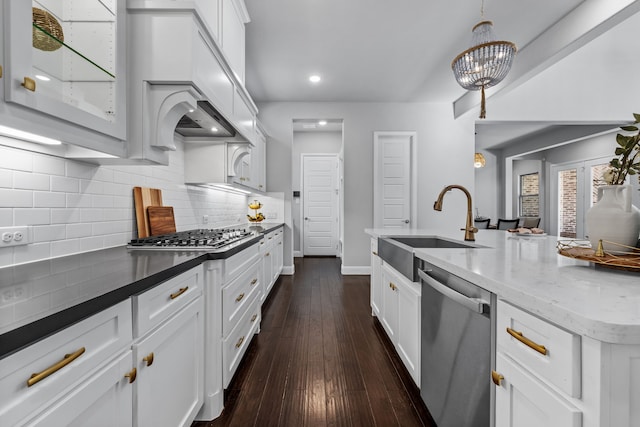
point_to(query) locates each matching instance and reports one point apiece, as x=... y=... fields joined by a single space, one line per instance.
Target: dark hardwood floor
x=321 y=359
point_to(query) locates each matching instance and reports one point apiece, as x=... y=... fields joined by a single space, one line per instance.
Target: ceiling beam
x=580 y=26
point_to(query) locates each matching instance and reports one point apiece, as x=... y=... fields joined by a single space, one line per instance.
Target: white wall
x=306 y=143
x=76 y=207
x=445 y=156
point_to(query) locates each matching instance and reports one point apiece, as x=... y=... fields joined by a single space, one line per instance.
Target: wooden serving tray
x=582 y=250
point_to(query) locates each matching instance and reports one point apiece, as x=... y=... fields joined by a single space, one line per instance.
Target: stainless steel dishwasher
x=458 y=335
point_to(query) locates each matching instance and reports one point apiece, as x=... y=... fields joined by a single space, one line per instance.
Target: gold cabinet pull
x=254 y=281
x=29 y=84
x=149 y=359
x=68 y=358
x=239 y=297
x=253 y=318
x=0 y=71
x=392 y=286
x=496 y=378
x=526 y=341
x=178 y=293
x=239 y=343
x=375 y=253
x=132 y=374
x=267 y=254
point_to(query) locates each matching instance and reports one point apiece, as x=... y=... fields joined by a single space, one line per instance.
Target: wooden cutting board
x=161 y=220
x=144 y=197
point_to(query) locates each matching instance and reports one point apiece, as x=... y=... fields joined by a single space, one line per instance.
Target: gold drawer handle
x=0 y=71
x=239 y=343
x=178 y=293
x=133 y=373
x=392 y=286
x=267 y=254
x=375 y=253
x=68 y=358
x=496 y=378
x=239 y=298
x=149 y=359
x=253 y=318
x=526 y=341
x=29 y=84
x=270 y=237
x=254 y=281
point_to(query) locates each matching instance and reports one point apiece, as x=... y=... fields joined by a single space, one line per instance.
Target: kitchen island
x=567 y=333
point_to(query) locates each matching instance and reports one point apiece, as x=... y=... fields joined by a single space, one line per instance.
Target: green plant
x=628 y=152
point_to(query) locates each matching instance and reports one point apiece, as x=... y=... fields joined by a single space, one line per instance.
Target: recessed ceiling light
x=43 y=78
x=214 y=129
x=322 y=122
x=314 y=78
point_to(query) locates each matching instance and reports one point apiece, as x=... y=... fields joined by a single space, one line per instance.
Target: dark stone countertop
x=41 y=298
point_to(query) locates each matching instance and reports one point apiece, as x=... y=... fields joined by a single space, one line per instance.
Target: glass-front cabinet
x=66 y=58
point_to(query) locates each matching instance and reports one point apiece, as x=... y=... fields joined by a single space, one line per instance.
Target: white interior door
x=320 y=204
x=394 y=180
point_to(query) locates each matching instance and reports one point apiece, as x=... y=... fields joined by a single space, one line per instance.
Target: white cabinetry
x=376 y=280
x=72 y=377
x=169 y=351
x=547 y=375
x=271 y=251
x=258 y=162
x=400 y=317
x=75 y=91
x=234 y=17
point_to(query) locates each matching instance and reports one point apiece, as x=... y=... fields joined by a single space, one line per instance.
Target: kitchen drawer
x=560 y=366
x=239 y=262
x=235 y=345
x=237 y=295
x=93 y=340
x=152 y=307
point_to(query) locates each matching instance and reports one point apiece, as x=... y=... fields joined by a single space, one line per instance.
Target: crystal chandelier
x=486 y=63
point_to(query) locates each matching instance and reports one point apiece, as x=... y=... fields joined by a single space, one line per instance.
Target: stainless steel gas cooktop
x=212 y=240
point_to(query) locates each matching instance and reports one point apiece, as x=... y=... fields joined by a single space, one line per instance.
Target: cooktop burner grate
x=200 y=239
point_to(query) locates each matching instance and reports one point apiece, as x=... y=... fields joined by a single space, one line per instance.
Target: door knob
x=406 y=221
x=306 y=218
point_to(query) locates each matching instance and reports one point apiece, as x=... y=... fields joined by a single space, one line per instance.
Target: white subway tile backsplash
x=48 y=233
x=16 y=198
x=65 y=215
x=6 y=178
x=78 y=230
x=13 y=159
x=87 y=207
x=49 y=200
x=48 y=165
x=39 y=216
x=64 y=184
x=31 y=181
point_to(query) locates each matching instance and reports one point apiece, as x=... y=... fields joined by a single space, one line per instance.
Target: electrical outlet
x=205 y=219
x=14 y=236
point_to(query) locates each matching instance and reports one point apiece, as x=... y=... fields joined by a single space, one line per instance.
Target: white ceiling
x=376 y=50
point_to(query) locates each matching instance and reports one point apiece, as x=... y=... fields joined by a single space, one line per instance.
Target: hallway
x=321 y=359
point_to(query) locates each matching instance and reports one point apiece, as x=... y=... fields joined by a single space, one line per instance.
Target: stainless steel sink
x=397 y=251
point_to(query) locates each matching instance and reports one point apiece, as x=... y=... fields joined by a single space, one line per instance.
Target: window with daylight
x=529 y=195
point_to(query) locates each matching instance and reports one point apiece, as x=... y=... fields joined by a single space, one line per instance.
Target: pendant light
x=479 y=160
x=484 y=64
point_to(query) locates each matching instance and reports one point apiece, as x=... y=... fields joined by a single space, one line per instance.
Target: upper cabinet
x=232 y=36
x=64 y=75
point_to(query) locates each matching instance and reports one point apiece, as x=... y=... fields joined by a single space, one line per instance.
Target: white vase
x=613 y=219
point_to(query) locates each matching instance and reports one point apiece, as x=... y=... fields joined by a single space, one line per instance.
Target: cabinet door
x=233 y=37
x=389 y=317
x=258 y=162
x=523 y=401
x=105 y=399
x=267 y=267
x=376 y=279
x=79 y=76
x=170 y=364
x=278 y=249
x=408 y=345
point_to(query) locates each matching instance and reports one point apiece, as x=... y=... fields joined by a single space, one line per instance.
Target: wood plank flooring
x=321 y=359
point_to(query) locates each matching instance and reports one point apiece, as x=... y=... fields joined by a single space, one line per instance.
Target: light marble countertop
x=597 y=302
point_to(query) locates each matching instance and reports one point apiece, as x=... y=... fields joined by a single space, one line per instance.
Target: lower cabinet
x=376 y=279
x=400 y=316
x=74 y=377
x=169 y=357
x=271 y=250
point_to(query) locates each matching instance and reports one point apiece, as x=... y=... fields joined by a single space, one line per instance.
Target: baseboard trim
x=288 y=270
x=297 y=254
x=355 y=271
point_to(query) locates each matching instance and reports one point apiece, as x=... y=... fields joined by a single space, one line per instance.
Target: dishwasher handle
x=476 y=304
